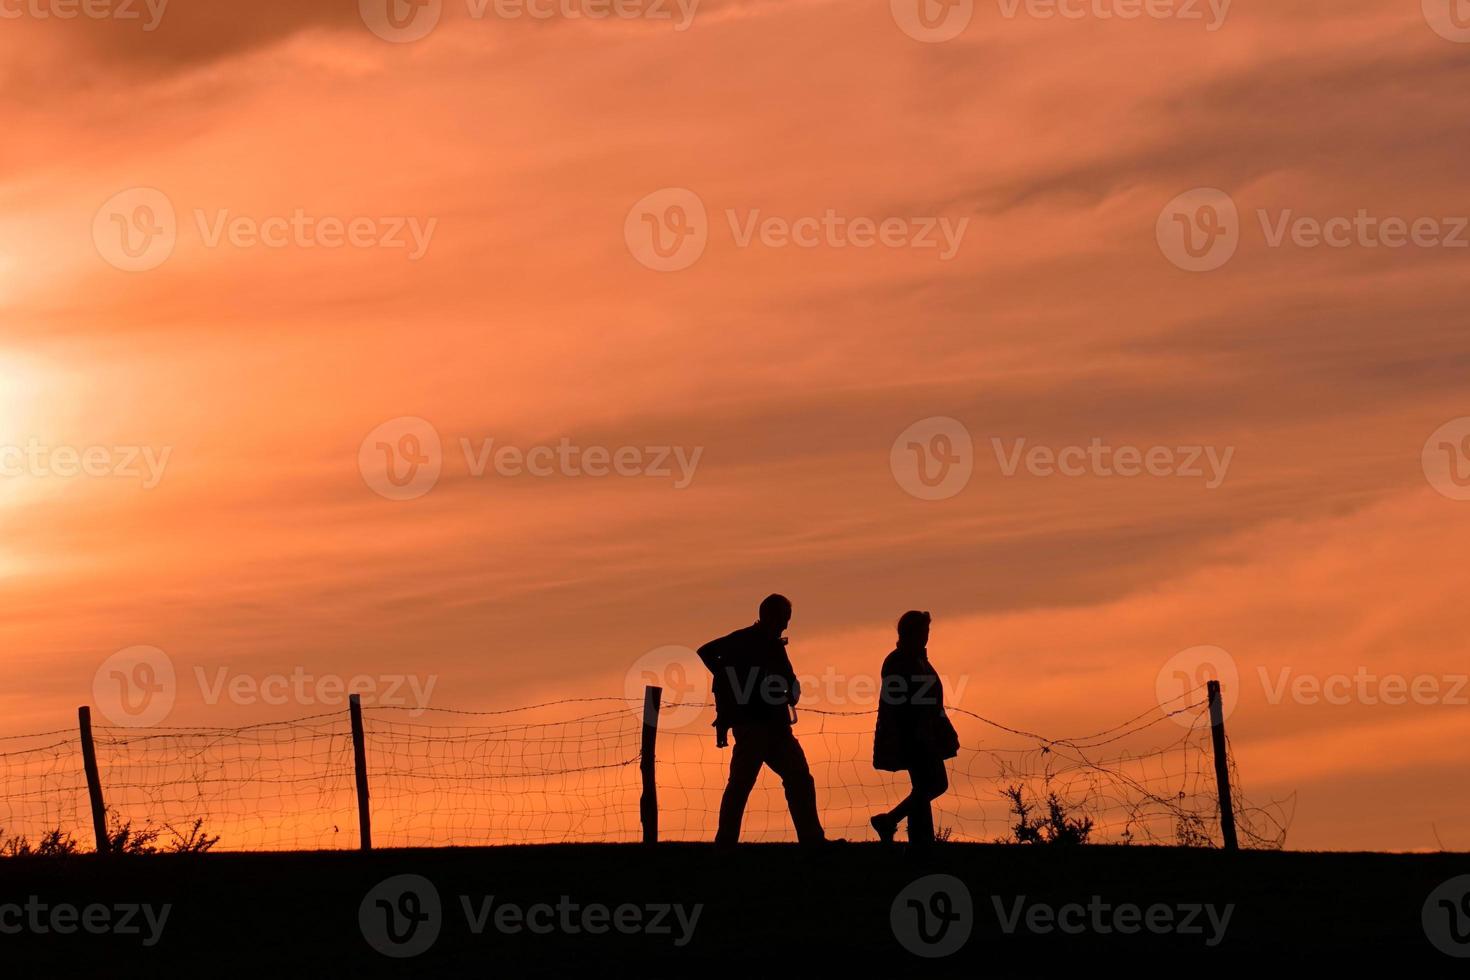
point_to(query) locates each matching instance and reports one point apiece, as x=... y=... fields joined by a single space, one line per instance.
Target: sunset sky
x=528 y=311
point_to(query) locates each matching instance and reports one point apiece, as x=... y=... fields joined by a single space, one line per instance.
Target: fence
x=594 y=770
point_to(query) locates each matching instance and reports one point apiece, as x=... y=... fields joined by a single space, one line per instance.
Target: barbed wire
x=42 y=786
x=444 y=776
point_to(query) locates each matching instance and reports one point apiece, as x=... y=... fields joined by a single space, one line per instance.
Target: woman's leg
x=887 y=823
x=929 y=782
x=906 y=804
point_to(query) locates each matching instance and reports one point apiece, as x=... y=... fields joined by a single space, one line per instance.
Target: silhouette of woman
x=914 y=734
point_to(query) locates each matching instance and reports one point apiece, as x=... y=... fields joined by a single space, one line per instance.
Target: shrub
x=56 y=843
x=195 y=841
x=1055 y=826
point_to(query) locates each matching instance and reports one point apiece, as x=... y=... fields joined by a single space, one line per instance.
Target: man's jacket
x=754 y=682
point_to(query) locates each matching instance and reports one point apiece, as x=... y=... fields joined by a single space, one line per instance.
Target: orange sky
x=529 y=319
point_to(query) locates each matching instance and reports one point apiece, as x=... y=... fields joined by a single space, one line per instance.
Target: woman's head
x=913 y=629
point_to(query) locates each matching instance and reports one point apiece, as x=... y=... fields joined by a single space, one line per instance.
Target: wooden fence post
x=648 y=804
x=359 y=763
x=1222 y=766
x=94 y=781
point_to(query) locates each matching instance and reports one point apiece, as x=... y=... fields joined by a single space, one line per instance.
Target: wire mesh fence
x=568 y=771
x=284 y=785
x=456 y=777
x=42 y=786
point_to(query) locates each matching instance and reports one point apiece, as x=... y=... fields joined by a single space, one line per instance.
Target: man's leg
x=788 y=761
x=745 y=765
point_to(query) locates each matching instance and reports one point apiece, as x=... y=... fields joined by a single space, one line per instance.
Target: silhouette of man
x=756 y=693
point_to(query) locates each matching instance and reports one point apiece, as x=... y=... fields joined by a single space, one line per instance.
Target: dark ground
x=769 y=911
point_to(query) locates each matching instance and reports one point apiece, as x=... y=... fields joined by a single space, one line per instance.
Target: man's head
x=913 y=629
x=775 y=614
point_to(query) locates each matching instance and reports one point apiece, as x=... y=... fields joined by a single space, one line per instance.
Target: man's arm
x=788 y=673
x=712 y=656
